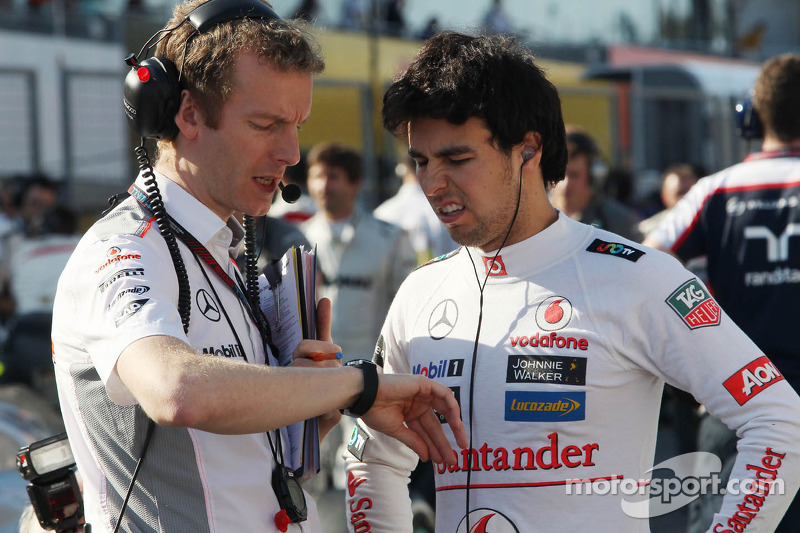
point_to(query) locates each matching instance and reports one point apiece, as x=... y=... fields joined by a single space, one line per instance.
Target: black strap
x=364 y=402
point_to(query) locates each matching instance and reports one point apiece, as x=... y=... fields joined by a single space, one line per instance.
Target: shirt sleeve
x=128 y=290
x=682 y=230
x=378 y=466
x=684 y=337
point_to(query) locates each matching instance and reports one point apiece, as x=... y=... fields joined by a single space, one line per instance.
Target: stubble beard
x=491 y=228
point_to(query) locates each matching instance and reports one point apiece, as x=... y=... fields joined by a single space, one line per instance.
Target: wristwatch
x=364 y=402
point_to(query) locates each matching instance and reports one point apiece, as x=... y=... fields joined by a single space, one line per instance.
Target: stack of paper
x=287 y=297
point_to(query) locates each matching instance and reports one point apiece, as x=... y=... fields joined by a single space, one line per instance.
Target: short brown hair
x=777 y=96
x=207 y=69
x=337 y=155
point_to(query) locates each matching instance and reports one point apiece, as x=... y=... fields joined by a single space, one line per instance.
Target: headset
x=584 y=144
x=748 y=123
x=152 y=92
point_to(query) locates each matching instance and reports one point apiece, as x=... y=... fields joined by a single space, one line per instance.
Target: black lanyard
x=202 y=253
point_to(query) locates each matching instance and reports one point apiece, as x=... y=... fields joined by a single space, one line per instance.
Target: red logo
x=553 y=313
x=494 y=266
x=486 y=521
x=752 y=379
x=353 y=483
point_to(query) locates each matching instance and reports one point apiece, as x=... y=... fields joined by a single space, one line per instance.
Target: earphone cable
x=481 y=287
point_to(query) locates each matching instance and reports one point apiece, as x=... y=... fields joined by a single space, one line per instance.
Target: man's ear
x=530 y=146
x=188 y=118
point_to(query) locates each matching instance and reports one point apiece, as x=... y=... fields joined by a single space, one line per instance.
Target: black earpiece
x=152 y=93
x=290 y=193
x=748 y=123
x=527 y=154
x=151 y=96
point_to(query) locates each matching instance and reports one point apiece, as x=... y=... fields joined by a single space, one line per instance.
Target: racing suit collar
x=535 y=253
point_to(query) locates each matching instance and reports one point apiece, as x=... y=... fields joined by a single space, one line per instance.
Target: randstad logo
x=541 y=406
x=441 y=369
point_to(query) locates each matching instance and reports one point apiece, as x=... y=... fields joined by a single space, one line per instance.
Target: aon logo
x=752 y=379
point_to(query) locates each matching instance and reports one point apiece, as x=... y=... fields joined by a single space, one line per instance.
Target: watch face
x=358 y=362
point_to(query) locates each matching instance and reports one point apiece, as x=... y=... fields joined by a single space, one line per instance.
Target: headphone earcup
x=748 y=123
x=151 y=96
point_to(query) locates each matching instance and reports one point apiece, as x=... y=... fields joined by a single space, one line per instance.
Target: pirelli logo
x=752 y=379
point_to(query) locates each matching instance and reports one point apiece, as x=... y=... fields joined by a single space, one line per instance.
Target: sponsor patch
x=443 y=319
x=130 y=309
x=207 y=306
x=541 y=406
x=230 y=350
x=616 y=249
x=486 y=521
x=752 y=379
x=440 y=258
x=494 y=266
x=457 y=395
x=136 y=289
x=124 y=273
x=443 y=368
x=546 y=369
x=380 y=347
x=553 y=340
x=694 y=305
x=553 y=313
x=357 y=444
x=115 y=255
x=352 y=483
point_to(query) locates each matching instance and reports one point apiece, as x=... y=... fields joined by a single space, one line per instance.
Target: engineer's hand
x=302 y=357
x=403 y=409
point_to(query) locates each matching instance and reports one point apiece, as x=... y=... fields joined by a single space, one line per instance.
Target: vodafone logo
x=486 y=521
x=554 y=313
x=113 y=251
x=494 y=266
x=752 y=379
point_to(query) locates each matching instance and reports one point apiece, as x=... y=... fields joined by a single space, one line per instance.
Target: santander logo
x=554 y=313
x=486 y=521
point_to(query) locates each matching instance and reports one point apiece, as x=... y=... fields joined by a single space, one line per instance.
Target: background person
x=676 y=181
x=579 y=196
x=746 y=220
x=409 y=209
x=201 y=392
x=555 y=336
x=362 y=260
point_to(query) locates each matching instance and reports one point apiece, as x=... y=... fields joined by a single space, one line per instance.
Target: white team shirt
x=580 y=330
x=120 y=286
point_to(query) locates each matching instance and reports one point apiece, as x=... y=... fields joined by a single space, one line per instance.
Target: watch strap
x=364 y=402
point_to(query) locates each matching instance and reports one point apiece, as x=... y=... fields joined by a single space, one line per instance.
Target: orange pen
x=324 y=356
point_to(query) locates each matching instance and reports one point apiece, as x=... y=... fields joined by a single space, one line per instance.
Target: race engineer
x=746 y=221
x=175 y=407
x=556 y=337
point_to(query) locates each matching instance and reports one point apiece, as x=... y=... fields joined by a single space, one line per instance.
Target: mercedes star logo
x=443 y=319
x=207 y=306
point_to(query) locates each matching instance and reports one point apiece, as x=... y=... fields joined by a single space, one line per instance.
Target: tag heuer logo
x=694 y=305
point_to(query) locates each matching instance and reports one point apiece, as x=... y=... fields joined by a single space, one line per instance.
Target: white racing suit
x=580 y=330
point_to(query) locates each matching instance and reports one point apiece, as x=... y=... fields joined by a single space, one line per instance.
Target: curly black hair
x=492 y=77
